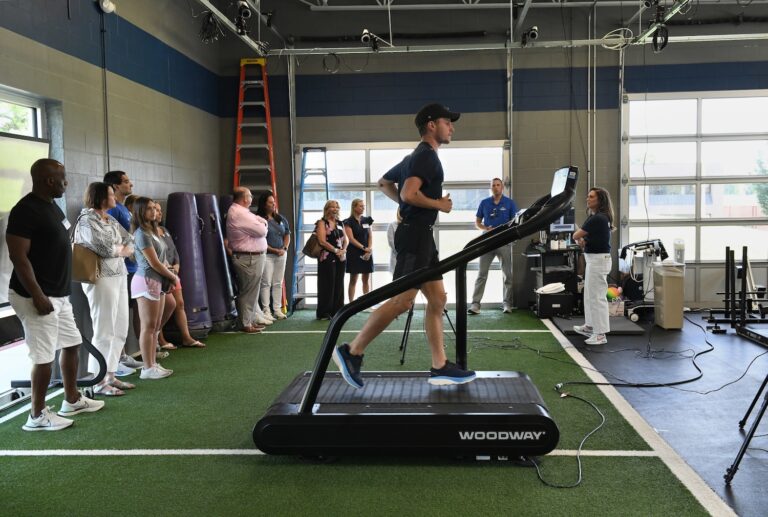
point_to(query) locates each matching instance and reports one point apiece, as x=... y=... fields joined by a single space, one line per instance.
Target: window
x=353 y=172
x=695 y=167
x=20 y=115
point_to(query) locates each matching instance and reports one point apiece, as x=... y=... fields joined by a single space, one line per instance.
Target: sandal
x=117 y=383
x=193 y=344
x=107 y=390
x=169 y=346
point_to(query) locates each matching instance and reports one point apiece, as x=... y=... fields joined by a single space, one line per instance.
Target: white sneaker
x=47 y=421
x=474 y=309
x=83 y=405
x=154 y=373
x=131 y=362
x=261 y=320
x=163 y=368
x=123 y=370
x=278 y=315
x=596 y=339
x=506 y=309
x=584 y=330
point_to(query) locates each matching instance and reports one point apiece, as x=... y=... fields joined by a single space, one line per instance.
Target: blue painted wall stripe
x=144 y=59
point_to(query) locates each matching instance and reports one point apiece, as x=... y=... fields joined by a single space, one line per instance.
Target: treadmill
x=500 y=413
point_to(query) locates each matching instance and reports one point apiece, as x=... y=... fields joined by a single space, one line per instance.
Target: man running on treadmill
x=419 y=192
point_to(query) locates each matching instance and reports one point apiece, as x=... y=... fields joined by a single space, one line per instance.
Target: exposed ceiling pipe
x=660 y=23
x=231 y=26
x=504 y=46
x=259 y=49
x=523 y=14
x=534 y=5
x=644 y=5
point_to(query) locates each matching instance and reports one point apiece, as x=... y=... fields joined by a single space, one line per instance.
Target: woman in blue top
x=595 y=238
x=152 y=271
x=278 y=239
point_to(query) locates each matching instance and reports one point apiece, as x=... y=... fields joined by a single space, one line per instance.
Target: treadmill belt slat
x=401 y=388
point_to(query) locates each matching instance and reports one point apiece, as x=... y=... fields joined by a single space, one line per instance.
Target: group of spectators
x=347 y=247
x=258 y=245
x=138 y=268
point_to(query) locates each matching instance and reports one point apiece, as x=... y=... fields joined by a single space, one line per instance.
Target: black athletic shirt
x=422 y=163
x=50 y=251
x=598 y=239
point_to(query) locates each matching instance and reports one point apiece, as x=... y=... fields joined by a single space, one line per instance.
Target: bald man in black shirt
x=41 y=253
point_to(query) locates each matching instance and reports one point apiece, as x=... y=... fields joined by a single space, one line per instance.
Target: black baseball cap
x=434 y=112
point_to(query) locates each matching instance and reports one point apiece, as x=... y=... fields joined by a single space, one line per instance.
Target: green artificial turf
x=227 y=485
x=217 y=394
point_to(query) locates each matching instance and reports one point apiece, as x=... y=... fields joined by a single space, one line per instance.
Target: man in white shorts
x=40 y=250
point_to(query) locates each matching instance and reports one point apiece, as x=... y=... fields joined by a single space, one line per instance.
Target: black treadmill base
x=399 y=413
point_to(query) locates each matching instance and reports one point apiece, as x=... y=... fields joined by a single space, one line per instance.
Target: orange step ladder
x=254 y=152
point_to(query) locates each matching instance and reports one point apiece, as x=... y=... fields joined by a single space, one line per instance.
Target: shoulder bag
x=85 y=263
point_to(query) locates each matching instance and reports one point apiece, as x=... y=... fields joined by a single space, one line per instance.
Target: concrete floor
x=698 y=419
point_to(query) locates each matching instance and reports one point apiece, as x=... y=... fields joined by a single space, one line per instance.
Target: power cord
x=580 y=477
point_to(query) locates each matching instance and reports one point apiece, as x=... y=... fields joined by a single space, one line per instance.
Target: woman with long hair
x=108 y=296
x=278 y=240
x=330 y=265
x=594 y=237
x=179 y=316
x=359 y=254
x=152 y=280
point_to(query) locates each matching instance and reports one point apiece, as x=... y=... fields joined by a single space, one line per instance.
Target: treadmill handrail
x=549 y=211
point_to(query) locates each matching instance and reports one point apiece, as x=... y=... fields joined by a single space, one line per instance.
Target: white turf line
x=692 y=481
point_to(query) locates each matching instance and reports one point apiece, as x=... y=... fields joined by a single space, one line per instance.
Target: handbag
x=312 y=248
x=85 y=263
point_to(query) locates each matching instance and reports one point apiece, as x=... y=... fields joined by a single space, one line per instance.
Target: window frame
x=369 y=187
x=27 y=101
x=697 y=180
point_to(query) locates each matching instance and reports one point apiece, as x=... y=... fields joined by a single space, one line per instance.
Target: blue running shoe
x=450 y=374
x=349 y=365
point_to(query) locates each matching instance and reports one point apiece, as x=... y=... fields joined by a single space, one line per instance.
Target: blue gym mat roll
x=221 y=297
x=185 y=225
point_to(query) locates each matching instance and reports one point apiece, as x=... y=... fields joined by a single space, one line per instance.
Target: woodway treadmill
x=498 y=414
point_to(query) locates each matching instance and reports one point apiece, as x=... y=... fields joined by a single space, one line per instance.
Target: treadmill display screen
x=558 y=182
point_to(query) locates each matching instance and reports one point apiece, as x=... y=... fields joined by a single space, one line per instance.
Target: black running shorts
x=415 y=247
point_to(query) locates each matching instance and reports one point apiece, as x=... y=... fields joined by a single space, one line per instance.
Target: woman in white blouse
x=108 y=297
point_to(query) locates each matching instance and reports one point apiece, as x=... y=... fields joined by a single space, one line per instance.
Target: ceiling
x=333 y=25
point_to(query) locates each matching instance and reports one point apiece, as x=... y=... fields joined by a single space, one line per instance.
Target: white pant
x=272 y=282
x=595 y=287
x=108 y=300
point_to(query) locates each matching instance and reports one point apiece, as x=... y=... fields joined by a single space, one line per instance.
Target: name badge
x=366 y=226
x=66 y=224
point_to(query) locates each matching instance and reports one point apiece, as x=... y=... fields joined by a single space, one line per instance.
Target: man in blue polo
x=492 y=212
x=122 y=186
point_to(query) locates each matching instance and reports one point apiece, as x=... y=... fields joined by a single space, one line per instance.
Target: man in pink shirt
x=247 y=243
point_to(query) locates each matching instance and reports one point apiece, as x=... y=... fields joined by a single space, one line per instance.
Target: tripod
x=407 y=330
x=731 y=471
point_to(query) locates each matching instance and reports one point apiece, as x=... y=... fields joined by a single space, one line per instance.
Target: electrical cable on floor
x=673 y=385
x=518 y=345
x=578 y=450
